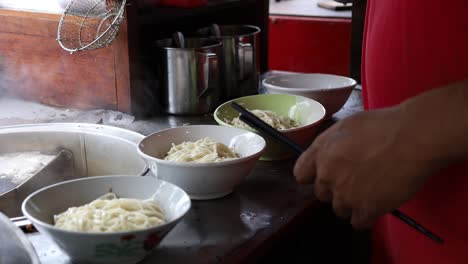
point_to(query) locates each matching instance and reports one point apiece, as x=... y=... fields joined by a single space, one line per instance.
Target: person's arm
x=372 y=162
x=440 y=127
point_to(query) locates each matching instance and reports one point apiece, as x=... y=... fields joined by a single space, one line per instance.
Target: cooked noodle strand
x=201 y=151
x=273 y=119
x=111 y=214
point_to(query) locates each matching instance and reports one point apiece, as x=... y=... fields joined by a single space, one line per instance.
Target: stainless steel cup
x=240 y=61
x=189 y=75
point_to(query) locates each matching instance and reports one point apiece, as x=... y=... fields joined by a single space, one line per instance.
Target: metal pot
x=189 y=75
x=80 y=150
x=240 y=61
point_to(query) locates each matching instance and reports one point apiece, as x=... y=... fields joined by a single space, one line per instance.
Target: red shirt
x=411 y=46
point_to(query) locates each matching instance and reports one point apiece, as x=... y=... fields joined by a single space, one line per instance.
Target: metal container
x=81 y=150
x=240 y=62
x=189 y=76
x=16 y=248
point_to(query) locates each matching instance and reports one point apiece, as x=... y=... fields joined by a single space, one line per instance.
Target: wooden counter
x=268 y=211
x=247 y=225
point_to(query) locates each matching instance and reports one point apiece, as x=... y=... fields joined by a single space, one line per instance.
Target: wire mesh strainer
x=90 y=24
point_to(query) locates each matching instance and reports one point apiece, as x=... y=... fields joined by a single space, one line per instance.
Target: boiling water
x=17 y=167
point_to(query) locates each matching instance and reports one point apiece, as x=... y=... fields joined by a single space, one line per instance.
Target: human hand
x=366 y=165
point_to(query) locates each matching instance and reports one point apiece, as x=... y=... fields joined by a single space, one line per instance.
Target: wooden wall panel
x=122 y=69
x=29 y=23
x=34 y=67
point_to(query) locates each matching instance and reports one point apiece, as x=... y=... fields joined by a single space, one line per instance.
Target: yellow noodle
x=201 y=151
x=111 y=214
x=273 y=119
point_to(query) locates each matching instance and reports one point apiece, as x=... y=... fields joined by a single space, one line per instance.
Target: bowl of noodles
x=207 y=161
x=107 y=219
x=296 y=116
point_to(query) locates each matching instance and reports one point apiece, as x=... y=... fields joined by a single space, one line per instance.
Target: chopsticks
x=255 y=122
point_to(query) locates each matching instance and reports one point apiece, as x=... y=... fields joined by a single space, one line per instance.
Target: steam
x=28 y=93
x=2 y=73
x=32 y=81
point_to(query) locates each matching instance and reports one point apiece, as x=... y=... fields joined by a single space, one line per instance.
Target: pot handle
x=245 y=60
x=207 y=63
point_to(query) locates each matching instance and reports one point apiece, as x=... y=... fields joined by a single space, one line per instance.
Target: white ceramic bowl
x=332 y=91
x=203 y=180
x=119 y=247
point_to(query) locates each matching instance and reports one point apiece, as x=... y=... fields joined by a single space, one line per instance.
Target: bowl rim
x=207 y=164
x=87 y=128
x=121 y=233
x=285 y=131
x=125 y=135
x=271 y=86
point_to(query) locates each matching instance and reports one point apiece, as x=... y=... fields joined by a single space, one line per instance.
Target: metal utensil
x=240 y=59
x=179 y=39
x=189 y=76
x=15 y=246
x=58 y=169
x=255 y=122
x=90 y=24
x=96 y=150
x=216 y=30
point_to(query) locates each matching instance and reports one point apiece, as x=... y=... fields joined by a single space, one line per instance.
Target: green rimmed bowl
x=307 y=112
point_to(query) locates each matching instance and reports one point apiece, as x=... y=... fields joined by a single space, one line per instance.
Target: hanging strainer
x=90 y=24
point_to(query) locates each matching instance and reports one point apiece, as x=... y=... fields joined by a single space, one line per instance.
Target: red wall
x=309 y=44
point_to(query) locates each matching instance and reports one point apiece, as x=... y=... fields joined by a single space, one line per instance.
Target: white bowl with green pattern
x=113 y=247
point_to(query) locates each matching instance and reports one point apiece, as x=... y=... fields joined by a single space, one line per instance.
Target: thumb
x=305 y=169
